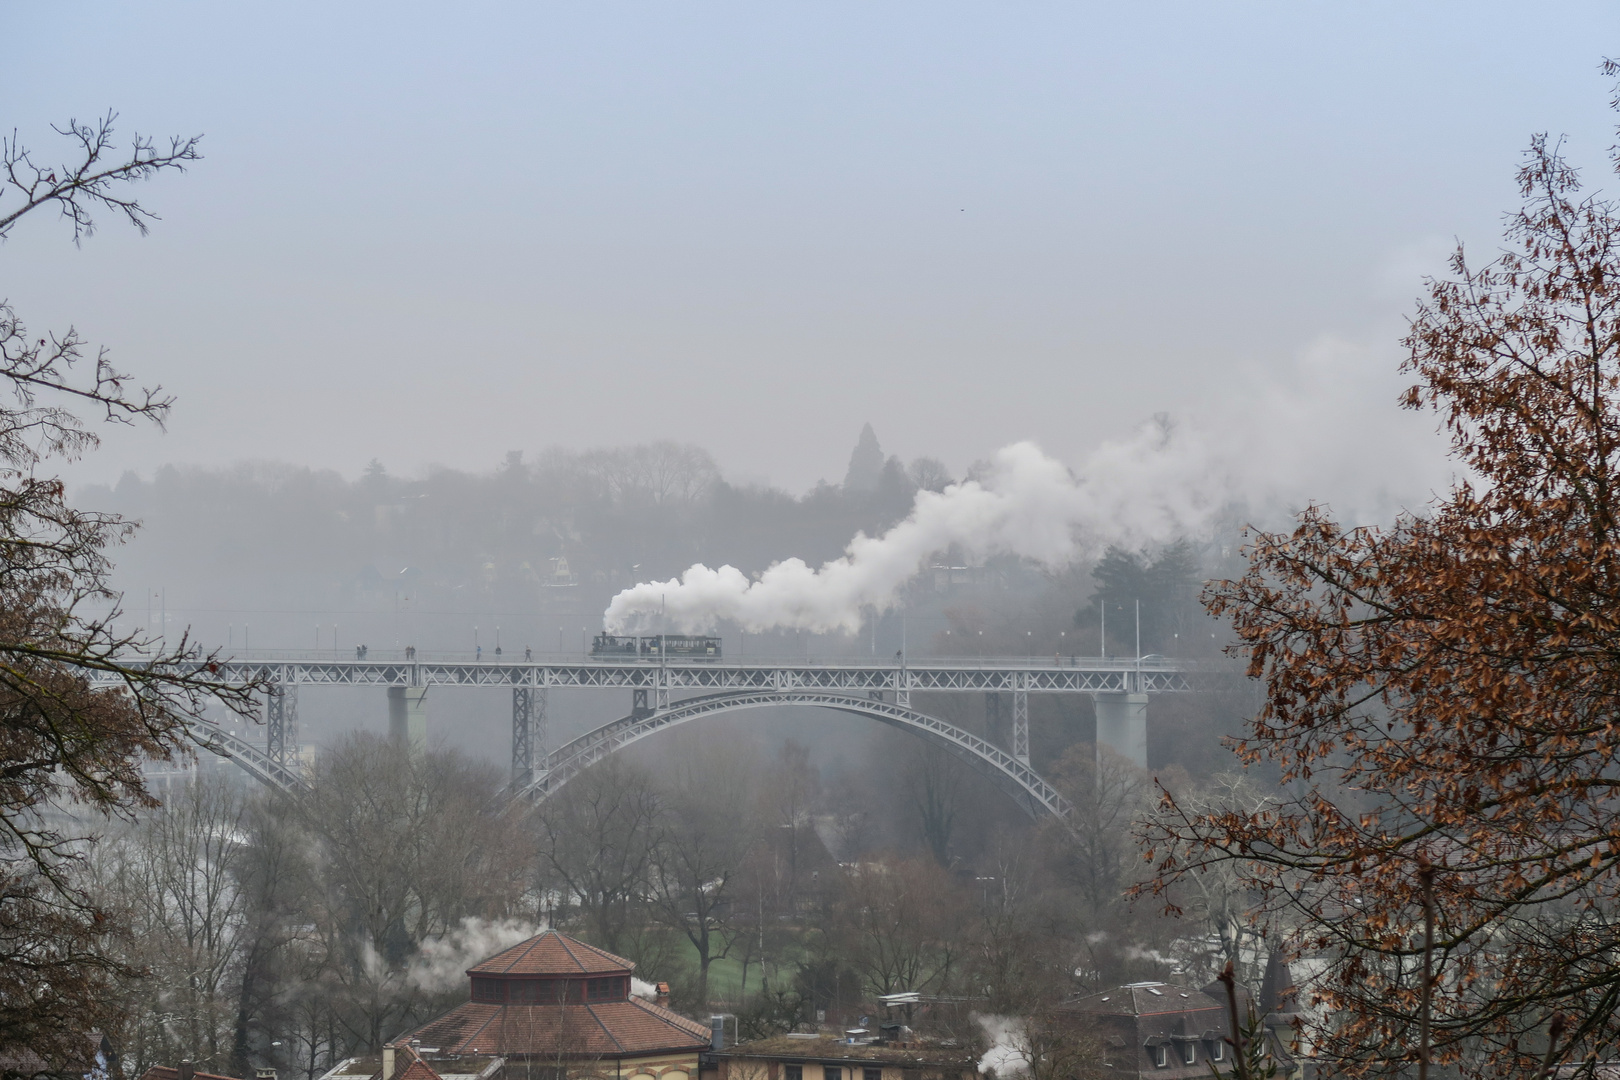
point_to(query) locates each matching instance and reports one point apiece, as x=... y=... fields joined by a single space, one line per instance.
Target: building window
x=1161 y=1056
x=1189 y=1053
x=793 y=1072
x=609 y=989
x=832 y=1072
x=488 y=990
x=871 y=1074
x=1217 y=1050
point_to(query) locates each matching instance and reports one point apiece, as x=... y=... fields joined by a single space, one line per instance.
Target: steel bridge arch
x=1033 y=794
x=249 y=758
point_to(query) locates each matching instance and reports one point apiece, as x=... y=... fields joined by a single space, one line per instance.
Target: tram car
x=653 y=646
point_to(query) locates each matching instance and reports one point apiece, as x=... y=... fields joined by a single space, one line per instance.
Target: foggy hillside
x=527 y=555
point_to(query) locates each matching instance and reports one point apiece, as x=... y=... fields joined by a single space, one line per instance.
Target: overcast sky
x=435 y=233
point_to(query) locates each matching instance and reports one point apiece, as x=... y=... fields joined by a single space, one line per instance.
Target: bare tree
x=900 y=925
x=1052 y=1046
x=699 y=853
x=77 y=717
x=1108 y=794
x=175 y=875
x=929 y=474
x=660 y=473
x=92 y=179
x=596 y=840
x=411 y=844
x=283 y=992
x=933 y=785
x=1018 y=953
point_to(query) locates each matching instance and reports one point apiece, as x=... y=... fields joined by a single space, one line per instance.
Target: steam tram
x=653 y=646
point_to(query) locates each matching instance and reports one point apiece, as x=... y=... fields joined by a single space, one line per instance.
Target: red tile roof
x=552 y=953
x=408 y=1066
x=417 y=1070
x=602 y=1029
x=165 y=1072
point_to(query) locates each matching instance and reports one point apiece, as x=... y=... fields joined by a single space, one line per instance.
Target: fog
x=539 y=553
x=833 y=331
x=431 y=235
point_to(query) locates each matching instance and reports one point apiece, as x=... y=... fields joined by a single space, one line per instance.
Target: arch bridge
x=674 y=691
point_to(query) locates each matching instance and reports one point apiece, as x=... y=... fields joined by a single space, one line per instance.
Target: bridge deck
x=1059 y=675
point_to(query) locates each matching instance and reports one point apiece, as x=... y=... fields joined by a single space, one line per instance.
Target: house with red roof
x=554 y=1007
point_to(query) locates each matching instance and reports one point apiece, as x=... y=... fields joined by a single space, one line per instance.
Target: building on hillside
x=1162 y=1031
x=95 y=1059
x=405 y=1063
x=820 y=1057
x=186 y=1071
x=550 y=1008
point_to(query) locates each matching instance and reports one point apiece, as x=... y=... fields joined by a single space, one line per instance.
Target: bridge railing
x=397 y=656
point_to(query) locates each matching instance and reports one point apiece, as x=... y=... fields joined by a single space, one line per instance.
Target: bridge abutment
x=1122 y=725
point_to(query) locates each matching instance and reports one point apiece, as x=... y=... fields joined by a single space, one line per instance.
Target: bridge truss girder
x=1038 y=677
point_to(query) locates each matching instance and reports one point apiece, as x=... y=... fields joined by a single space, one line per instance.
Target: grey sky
x=434 y=233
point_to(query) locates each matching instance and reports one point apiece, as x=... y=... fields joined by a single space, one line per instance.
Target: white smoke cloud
x=1004 y=1056
x=641 y=988
x=1025 y=504
x=442 y=962
x=1330 y=431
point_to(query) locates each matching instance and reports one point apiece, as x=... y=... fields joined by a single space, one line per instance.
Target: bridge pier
x=528 y=732
x=995 y=711
x=281 y=724
x=407 y=716
x=1122 y=725
x=1020 y=724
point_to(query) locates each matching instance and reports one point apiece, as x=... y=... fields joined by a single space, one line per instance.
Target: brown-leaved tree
x=1443 y=693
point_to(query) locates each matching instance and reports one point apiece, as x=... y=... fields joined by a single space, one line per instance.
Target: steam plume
x=442 y=962
x=1025 y=504
x=1328 y=431
x=1004 y=1057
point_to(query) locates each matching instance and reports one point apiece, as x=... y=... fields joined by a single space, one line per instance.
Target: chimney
x=187 y=1069
x=388 y=1063
x=662 y=995
x=717 y=1033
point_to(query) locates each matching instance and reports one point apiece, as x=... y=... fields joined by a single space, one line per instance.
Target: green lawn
x=725 y=976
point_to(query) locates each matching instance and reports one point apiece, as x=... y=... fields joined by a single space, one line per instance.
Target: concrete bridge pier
x=407 y=716
x=1122 y=726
